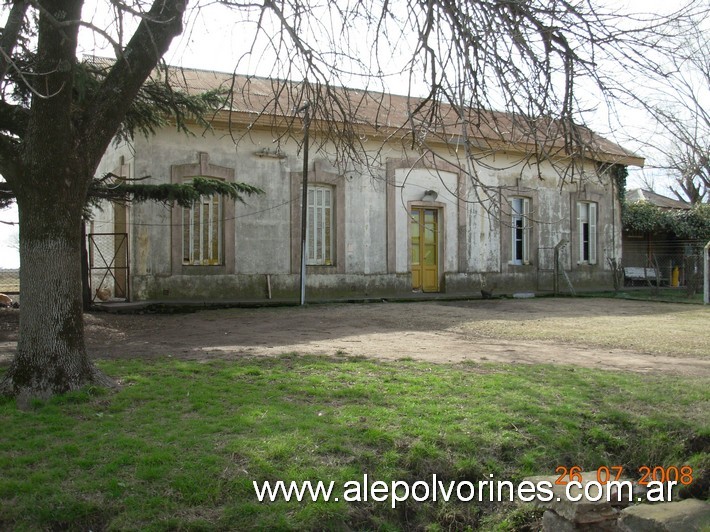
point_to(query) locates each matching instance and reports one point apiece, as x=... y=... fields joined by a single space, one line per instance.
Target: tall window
x=202 y=232
x=520 y=227
x=587 y=231
x=319 y=230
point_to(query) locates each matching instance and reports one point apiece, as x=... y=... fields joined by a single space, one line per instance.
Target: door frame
x=440 y=209
x=123 y=267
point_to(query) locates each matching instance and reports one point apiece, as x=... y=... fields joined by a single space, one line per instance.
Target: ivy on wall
x=619 y=173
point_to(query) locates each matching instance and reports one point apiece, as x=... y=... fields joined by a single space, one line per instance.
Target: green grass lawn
x=178 y=446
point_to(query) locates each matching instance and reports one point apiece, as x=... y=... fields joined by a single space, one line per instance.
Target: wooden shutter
x=526 y=231
x=592 y=233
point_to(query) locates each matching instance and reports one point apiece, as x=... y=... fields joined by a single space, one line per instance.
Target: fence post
x=706 y=274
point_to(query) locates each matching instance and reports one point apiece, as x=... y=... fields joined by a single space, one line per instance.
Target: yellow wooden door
x=424 y=234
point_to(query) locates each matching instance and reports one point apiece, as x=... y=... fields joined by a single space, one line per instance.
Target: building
x=445 y=209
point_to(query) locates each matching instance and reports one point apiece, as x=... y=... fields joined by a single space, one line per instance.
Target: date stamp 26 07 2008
x=679 y=475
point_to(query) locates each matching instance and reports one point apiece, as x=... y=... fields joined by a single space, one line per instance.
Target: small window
x=319 y=230
x=587 y=232
x=202 y=227
x=520 y=227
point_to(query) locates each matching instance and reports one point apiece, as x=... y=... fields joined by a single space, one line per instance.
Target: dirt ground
x=595 y=333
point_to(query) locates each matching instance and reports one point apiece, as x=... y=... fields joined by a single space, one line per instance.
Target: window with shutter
x=520 y=227
x=587 y=231
x=202 y=227
x=319 y=227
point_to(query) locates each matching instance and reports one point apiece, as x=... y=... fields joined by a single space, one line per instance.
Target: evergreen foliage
x=183 y=194
x=690 y=224
x=157 y=105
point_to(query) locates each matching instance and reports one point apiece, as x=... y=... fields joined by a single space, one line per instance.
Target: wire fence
x=108 y=266
x=673 y=263
x=9 y=281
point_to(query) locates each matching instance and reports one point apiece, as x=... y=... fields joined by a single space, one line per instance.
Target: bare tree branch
x=680 y=109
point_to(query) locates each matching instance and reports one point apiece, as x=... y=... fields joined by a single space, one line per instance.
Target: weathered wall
x=371 y=215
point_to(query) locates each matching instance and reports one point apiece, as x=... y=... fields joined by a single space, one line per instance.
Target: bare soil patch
x=596 y=333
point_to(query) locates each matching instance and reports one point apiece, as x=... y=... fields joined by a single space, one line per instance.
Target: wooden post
x=706 y=274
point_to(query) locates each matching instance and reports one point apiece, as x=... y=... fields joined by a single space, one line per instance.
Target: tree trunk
x=60 y=147
x=51 y=356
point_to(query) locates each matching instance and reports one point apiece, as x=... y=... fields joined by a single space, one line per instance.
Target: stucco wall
x=372 y=253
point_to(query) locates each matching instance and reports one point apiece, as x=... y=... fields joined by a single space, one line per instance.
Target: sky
x=212 y=40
